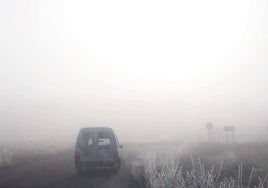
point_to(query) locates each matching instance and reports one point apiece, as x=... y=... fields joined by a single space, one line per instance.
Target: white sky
x=131 y=65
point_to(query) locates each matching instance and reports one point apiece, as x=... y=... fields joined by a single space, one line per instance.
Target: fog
x=148 y=69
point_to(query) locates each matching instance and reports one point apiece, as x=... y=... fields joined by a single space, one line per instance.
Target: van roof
x=96 y=129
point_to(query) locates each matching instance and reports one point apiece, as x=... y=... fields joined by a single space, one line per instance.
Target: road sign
x=209 y=125
x=229 y=128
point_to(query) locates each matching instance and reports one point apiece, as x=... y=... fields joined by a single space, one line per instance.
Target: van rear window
x=104 y=139
x=88 y=138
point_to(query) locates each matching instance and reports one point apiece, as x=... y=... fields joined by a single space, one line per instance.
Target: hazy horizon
x=140 y=67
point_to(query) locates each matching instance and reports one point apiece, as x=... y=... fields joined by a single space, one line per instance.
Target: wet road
x=60 y=172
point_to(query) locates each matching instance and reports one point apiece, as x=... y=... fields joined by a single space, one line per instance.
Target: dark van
x=97 y=148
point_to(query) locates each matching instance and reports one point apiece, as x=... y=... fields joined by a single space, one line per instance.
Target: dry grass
x=200 y=166
x=12 y=153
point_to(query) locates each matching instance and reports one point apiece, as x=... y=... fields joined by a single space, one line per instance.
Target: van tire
x=117 y=167
x=115 y=171
x=80 y=172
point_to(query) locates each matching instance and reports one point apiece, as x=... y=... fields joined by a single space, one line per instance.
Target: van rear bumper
x=97 y=165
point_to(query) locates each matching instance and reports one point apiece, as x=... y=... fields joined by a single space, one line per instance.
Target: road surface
x=60 y=172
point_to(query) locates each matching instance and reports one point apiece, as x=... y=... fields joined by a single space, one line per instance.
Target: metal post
x=233 y=137
x=209 y=137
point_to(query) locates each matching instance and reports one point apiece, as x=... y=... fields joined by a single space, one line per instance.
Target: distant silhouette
x=209 y=126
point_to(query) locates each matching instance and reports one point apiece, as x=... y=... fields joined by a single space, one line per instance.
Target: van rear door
x=89 y=147
x=105 y=145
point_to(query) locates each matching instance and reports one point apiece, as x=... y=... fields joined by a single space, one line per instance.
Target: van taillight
x=115 y=153
x=77 y=154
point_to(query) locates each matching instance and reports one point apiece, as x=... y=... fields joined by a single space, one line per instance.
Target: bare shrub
x=161 y=166
x=12 y=153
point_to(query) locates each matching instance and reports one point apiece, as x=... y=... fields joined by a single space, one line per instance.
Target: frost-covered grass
x=198 y=166
x=12 y=153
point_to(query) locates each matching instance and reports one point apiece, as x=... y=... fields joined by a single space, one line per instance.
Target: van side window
x=104 y=139
x=88 y=138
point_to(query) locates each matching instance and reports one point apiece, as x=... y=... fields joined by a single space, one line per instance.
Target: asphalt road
x=60 y=172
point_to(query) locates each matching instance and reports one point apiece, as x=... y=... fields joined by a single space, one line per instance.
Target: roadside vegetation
x=13 y=153
x=200 y=165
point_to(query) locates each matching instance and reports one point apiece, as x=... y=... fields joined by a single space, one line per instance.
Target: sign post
x=228 y=129
x=209 y=126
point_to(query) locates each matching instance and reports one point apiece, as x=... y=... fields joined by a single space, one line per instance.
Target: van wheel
x=115 y=171
x=80 y=172
x=117 y=167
